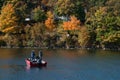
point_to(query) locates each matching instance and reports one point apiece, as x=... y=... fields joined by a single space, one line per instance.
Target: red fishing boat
x=34 y=63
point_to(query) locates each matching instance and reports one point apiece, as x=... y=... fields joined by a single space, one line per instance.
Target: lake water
x=62 y=65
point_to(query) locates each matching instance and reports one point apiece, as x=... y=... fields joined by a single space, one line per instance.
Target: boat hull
x=35 y=64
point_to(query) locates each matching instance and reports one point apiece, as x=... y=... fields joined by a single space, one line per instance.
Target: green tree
x=106 y=27
x=39 y=14
x=1 y=3
x=79 y=11
x=64 y=7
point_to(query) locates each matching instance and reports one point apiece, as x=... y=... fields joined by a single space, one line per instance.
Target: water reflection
x=28 y=68
x=35 y=68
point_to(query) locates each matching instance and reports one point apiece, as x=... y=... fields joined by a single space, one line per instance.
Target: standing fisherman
x=32 y=55
x=40 y=55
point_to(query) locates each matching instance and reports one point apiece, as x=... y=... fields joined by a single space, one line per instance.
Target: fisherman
x=32 y=55
x=40 y=55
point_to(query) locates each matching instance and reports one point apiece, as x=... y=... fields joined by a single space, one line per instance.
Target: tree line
x=60 y=23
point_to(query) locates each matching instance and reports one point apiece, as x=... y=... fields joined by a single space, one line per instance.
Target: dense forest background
x=60 y=23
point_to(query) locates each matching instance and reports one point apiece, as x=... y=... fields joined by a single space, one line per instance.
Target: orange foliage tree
x=8 y=18
x=73 y=24
x=50 y=21
x=44 y=2
x=50 y=24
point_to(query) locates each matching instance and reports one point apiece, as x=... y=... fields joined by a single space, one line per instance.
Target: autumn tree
x=105 y=25
x=73 y=24
x=50 y=4
x=84 y=37
x=50 y=24
x=21 y=12
x=114 y=6
x=71 y=28
x=12 y=1
x=8 y=20
x=50 y=21
x=37 y=34
x=50 y=14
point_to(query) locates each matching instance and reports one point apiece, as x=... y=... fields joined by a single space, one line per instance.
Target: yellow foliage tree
x=50 y=14
x=8 y=18
x=84 y=36
x=73 y=24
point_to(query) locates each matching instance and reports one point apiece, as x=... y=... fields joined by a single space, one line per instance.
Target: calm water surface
x=62 y=65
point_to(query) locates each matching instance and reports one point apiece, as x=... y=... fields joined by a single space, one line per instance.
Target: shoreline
x=113 y=49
